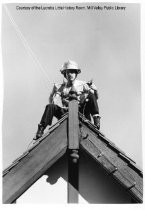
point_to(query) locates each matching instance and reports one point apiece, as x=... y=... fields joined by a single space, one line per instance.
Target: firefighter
x=59 y=98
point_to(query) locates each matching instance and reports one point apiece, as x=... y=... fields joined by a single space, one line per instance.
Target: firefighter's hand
x=65 y=101
x=93 y=87
x=55 y=87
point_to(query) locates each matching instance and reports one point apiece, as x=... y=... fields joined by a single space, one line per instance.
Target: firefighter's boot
x=97 y=121
x=40 y=132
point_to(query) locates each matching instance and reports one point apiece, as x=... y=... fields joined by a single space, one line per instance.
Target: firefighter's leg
x=97 y=121
x=40 y=132
x=51 y=110
x=92 y=108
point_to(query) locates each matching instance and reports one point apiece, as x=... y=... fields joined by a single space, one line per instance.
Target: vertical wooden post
x=73 y=149
x=73 y=125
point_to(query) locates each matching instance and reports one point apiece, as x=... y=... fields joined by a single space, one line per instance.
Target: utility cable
x=26 y=44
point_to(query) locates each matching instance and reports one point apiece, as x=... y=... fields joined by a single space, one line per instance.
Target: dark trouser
x=51 y=110
x=87 y=108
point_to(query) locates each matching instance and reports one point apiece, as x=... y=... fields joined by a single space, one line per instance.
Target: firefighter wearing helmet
x=59 y=98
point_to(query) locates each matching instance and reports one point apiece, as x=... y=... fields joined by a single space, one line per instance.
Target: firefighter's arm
x=55 y=95
x=52 y=94
x=93 y=90
x=90 y=87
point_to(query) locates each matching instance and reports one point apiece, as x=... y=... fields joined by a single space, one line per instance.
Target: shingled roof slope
x=33 y=163
x=53 y=145
x=116 y=163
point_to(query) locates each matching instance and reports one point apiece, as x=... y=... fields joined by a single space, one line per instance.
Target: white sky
x=106 y=45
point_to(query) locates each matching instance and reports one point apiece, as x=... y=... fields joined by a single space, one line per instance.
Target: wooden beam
x=73 y=156
x=73 y=174
x=73 y=127
x=34 y=165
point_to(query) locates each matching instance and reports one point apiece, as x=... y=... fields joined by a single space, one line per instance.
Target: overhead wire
x=26 y=44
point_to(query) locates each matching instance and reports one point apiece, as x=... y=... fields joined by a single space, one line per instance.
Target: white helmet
x=70 y=65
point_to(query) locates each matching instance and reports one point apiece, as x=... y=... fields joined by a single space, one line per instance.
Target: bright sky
x=105 y=44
